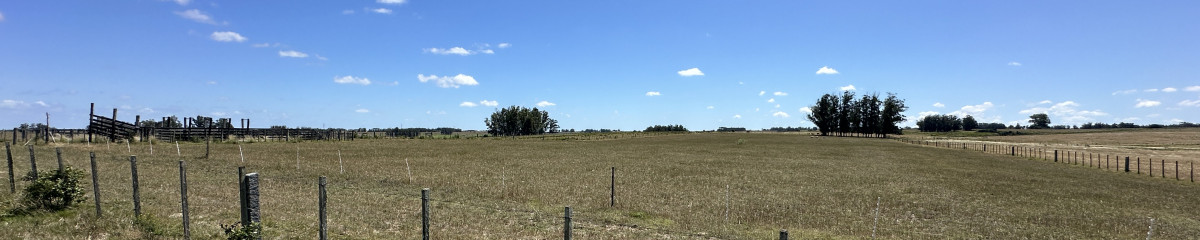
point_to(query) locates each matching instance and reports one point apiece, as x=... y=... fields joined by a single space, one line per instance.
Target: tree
x=517 y=120
x=845 y=110
x=969 y=123
x=824 y=114
x=939 y=123
x=893 y=109
x=1040 y=120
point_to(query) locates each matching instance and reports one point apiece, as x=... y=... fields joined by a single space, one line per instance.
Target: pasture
x=677 y=186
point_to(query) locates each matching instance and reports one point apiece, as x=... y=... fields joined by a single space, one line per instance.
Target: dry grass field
x=673 y=186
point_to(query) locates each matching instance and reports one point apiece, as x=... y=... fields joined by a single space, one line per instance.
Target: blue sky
x=594 y=64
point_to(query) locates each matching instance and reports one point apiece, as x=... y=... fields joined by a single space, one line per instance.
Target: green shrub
x=53 y=190
x=237 y=231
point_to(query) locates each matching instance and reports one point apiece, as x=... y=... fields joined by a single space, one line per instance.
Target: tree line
x=868 y=115
x=517 y=120
x=667 y=128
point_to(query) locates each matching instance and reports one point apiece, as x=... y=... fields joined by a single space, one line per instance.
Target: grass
x=668 y=186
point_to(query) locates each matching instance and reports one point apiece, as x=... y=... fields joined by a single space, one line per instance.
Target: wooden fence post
x=1177 y=170
x=58 y=153
x=1055 y=155
x=1162 y=165
x=1126 y=163
x=32 y=163
x=425 y=213
x=253 y=211
x=783 y=234
x=567 y=223
x=12 y=183
x=95 y=184
x=242 y=196
x=1151 y=167
x=137 y=199
x=321 y=208
x=612 y=186
x=1139 y=165
x=187 y=232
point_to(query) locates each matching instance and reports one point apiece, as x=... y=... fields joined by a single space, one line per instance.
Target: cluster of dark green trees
x=947 y=123
x=846 y=115
x=516 y=120
x=667 y=128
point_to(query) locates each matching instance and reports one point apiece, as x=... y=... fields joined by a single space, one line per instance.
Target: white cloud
x=1169 y=89
x=487 y=51
x=1045 y=102
x=776 y=105
x=467 y=104
x=227 y=37
x=780 y=94
x=362 y=110
x=146 y=110
x=197 y=16
x=1014 y=64
x=503 y=45
x=545 y=104
x=212 y=82
x=352 y=80
x=780 y=114
x=381 y=10
x=737 y=116
x=760 y=93
x=771 y=100
x=826 y=70
x=651 y=94
x=709 y=107
x=1141 y=103
x=1185 y=103
x=1152 y=90
x=491 y=103
x=448 y=51
x=806 y=110
x=1065 y=113
x=1124 y=92
x=691 y=72
x=393 y=2
x=848 y=88
x=1174 y=120
x=448 y=81
x=973 y=110
x=347 y=12
x=15 y=104
x=182 y=2
x=927 y=113
x=1192 y=89
x=292 y=54
x=41 y=103
x=939 y=105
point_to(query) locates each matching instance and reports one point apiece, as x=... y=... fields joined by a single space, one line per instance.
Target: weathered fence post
x=567 y=223
x=1151 y=167
x=1126 y=163
x=1139 y=165
x=1013 y=151
x=425 y=213
x=137 y=199
x=58 y=153
x=783 y=234
x=187 y=232
x=12 y=182
x=95 y=183
x=1177 y=170
x=1055 y=155
x=321 y=208
x=1162 y=165
x=32 y=163
x=253 y=212
x=612 y=186
x=242 y=195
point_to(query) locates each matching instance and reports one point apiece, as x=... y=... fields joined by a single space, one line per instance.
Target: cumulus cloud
x=448 y=81
x=737 y=116
x=352 y=80
x=1014 y=64
x=760 y=93
x=1045 y=102
x=292 y=54
x=848 y=88
x=1192 y=89
x=1141 y=103
x=17 y=104
x=973 y=110
x=651 y=94
x=503 y=45
x=196 y=16
x=826 y=70
x=450 y=51
x=780 y=114
x=780 y=94
x=227 y=37
x=1169 y=89
x=1185 y=103
x=491 y=103
x=927 y=113
x=182 y=2
x=1066 y=112
x=545 y=104
x=690 y=72
x=939 y=105
x=362 y=110
x=393 y=2
x=1152 y=90
x=263 y=45
x=381 y=10
x=467 y=104
x=1124 y=92
x=771 y=100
